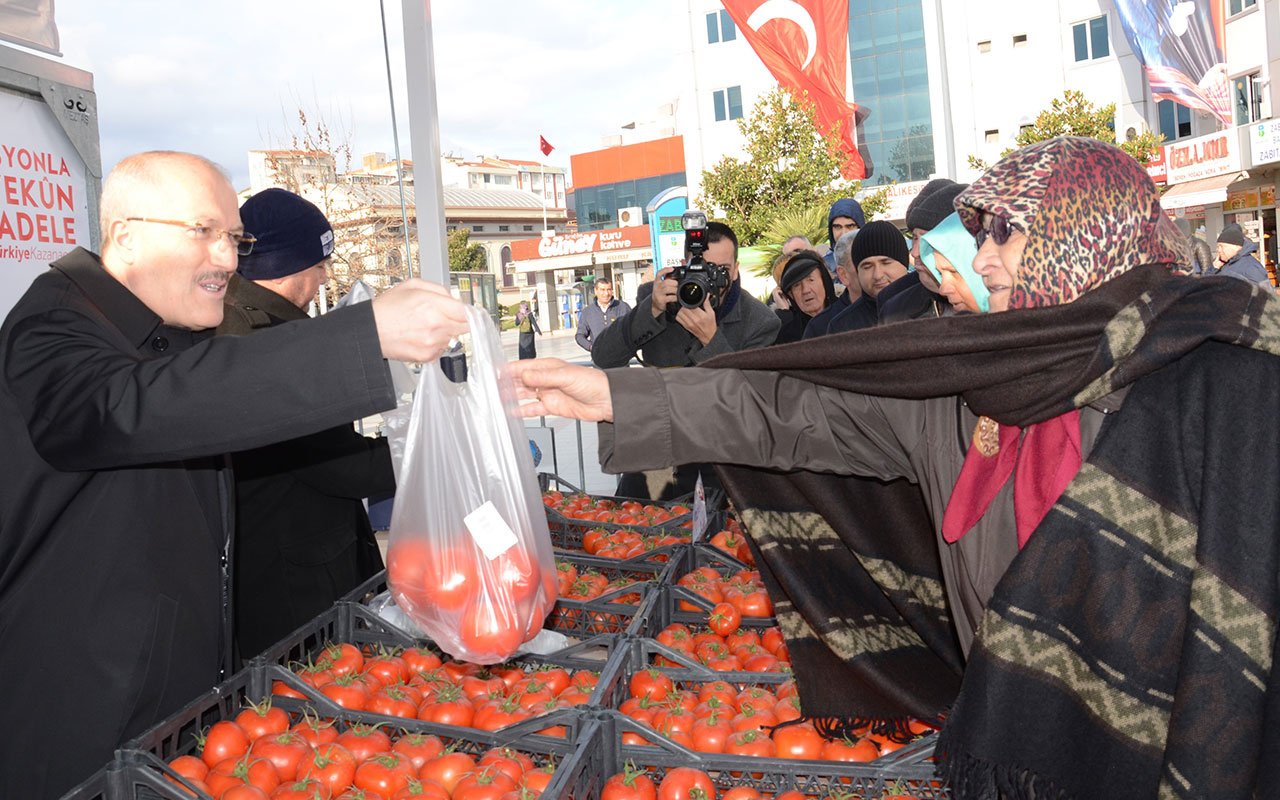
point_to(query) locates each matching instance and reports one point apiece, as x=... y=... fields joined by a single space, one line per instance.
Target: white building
x=946 y=79
x=488 y=173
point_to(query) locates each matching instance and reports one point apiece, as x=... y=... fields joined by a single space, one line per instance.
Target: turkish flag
x=805 y=45
x=545 y=146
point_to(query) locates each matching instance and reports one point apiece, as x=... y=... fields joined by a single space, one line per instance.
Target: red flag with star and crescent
x=804 y=44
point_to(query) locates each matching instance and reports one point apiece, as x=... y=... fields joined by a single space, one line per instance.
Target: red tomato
x=236 y=771
x=224 y=740
x=489 y=629
x=629 y=785
x=407 y=560
x=517 y=573
x=284 y=750
x=485 y=783
x=799 y=741
x=751 y=743
x=421 y=790
x=651 y=684
x=261 y=720
x=388 y=669
x=537 y=780
x=347 y=691
x=385 y=774
x=420 y=659
x=365 y=742
x=189 y=767
x=848 y=750
x=243 y=791
x=686 y=783
x=447 y=769
x=419 y=748
x=724 y=619
x=450 y=578
x=393 y=702
x=741 y=793
x=315 y=731
x=342 y=659
x=310 y=789
x=331 y=764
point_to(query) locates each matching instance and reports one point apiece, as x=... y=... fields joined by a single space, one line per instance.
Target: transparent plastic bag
x=470 y=558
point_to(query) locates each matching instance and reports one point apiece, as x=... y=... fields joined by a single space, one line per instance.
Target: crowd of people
x=992 y=476
x=1018 y=511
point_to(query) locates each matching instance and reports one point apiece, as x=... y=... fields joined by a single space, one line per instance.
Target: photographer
x=667 y=333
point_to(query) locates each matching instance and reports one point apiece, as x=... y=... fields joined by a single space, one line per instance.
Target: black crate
x=139 y=769
x=668 y=608
x=356 y=624
x=909 y=769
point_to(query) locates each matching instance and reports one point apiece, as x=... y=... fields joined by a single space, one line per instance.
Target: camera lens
x=692 y=292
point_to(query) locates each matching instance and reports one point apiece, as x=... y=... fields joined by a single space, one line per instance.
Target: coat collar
x=247 y=294
x=129 y=314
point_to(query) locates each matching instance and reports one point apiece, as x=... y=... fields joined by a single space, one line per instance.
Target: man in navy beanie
x=303 y=538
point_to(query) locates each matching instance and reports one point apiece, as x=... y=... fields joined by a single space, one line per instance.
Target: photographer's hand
x=664 y=292
x=701 y=322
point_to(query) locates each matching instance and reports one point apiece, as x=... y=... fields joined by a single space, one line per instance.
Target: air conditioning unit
x=632 y=217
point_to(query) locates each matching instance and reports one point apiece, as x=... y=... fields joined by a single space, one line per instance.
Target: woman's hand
x=562 y=390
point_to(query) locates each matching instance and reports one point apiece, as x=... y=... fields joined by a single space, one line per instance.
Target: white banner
x=44 y=195
x=1264 y=141
x=1202 y=157
x=30 y=24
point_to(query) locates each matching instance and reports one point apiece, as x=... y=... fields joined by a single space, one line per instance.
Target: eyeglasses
x=241 y=242
x=1000 y=229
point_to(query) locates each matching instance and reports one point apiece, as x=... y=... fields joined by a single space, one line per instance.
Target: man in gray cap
x=1235 y=251
x=303 y=538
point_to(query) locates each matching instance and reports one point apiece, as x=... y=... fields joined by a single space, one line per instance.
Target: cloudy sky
x=221 y=79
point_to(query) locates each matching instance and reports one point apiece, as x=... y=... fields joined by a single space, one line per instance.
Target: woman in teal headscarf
x=948 y=252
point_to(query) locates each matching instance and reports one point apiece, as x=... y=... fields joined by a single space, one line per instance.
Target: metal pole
x=424 y=138
x=582 y=468
x=395 y=136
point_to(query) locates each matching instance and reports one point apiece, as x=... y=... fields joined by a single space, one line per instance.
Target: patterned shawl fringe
x=976 y=779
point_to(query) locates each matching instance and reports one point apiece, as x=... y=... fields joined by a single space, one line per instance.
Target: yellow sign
x=1241 y=199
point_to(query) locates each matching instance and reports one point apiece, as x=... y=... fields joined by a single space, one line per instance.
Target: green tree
x=464 y=256
x=790 y=166
x=1073 y=115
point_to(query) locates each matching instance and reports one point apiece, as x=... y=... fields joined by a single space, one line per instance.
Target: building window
x=992 y=136
x=1020 y=40
x=1248 y=94
x=1175 y=120
x=1236 y=6
x=720 y=27
x=502 y=180
x=477 y=229
x=487 y=177
x=528 y=227
x=1091 y=39
x=984 y=46
x=728 y=103
x=504 y=228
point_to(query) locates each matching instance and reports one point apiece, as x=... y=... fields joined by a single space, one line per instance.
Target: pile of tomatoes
x=261 y=755
x=628 y=543
x=475 y=607
x=743 y=590
x=588 y=584
x=687 y=783
x=725 y=647
x=417 y=684
x=628 y=512
x=721 y=717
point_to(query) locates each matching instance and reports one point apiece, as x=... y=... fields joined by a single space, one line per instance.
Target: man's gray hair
x=139 y=173
x=843 y=245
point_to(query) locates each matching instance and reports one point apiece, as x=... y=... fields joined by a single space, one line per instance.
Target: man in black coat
x=117 y=406
x=303 y=538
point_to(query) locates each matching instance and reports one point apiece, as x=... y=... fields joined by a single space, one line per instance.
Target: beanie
x=292 y=235
x=879 y=238
x=798 y=268
x=1232 y=234
x=935 y=203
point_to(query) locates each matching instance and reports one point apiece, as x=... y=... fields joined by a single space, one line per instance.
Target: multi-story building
x=488 y=173
x=940 y=81
x=627 y=176
x=290 y=169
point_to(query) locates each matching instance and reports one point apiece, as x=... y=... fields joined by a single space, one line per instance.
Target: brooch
x=986 y=437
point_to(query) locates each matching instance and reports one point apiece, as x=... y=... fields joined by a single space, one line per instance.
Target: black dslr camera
x=699 y=279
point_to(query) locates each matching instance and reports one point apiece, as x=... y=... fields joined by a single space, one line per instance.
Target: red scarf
x=1042 y=463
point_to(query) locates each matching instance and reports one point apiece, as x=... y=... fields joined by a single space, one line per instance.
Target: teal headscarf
x=954 y=241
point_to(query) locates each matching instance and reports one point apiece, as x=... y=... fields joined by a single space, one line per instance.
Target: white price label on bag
x=490 y=531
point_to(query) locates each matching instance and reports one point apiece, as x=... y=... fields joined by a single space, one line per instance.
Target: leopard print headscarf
x=1089 y=210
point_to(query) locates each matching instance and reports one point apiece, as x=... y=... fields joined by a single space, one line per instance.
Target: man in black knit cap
x=879 y=255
